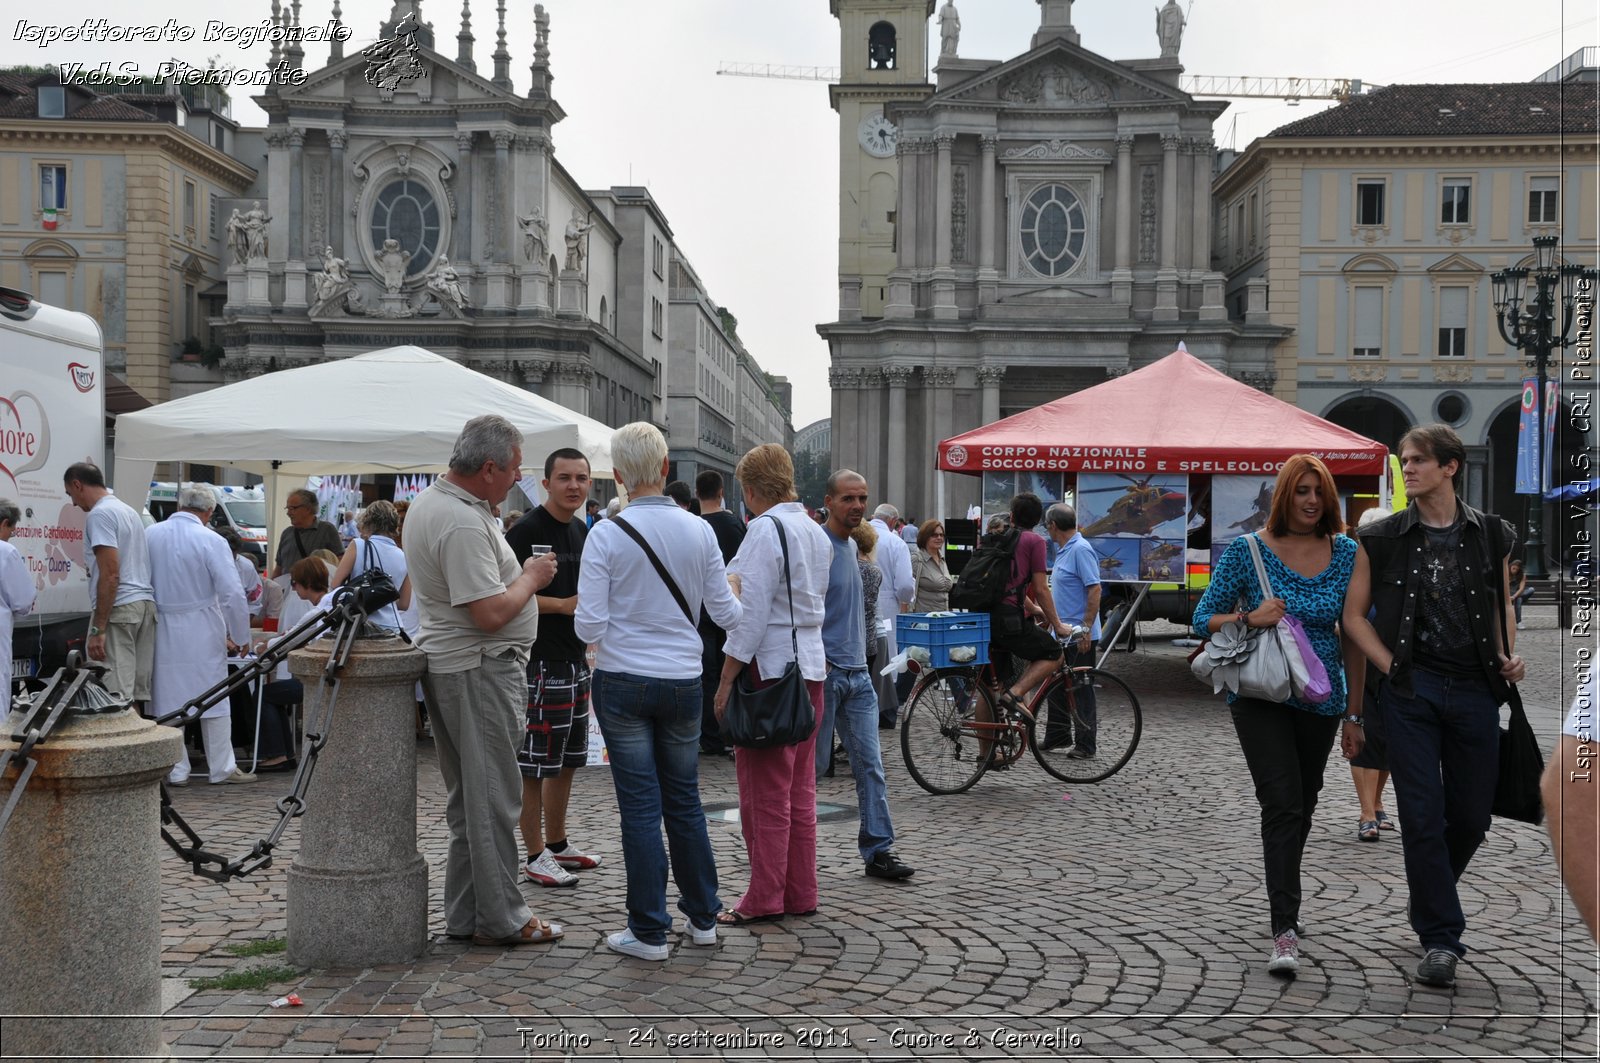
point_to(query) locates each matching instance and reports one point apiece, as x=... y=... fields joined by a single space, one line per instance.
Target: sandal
x=1367 y=831
x=734 y=917
x=537 y=932
x=1382 y=819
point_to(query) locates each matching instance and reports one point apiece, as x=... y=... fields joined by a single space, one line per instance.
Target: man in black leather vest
x=1436 y=576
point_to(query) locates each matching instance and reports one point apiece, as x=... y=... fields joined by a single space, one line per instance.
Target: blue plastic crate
x=940 y=634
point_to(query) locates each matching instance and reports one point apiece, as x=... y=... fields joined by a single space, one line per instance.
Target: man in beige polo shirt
x=478 y=619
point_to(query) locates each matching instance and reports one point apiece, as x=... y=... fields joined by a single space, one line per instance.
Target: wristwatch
x=93 y=631
x=1355 y=720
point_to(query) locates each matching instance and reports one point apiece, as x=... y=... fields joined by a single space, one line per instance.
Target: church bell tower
x=883 y=58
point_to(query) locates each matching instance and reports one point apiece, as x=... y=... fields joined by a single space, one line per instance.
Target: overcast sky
x=747 y=170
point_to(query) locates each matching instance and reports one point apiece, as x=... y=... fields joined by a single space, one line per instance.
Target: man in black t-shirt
x=556 y=743
x=729 y=530
x=1436 y=578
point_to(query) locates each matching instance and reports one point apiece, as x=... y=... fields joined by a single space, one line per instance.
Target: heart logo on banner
x=24 y=434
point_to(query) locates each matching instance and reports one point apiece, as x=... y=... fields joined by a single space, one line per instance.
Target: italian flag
x=49 y=218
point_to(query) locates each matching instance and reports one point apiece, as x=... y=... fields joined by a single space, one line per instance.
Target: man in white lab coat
x=17 y=593
x=201 y=614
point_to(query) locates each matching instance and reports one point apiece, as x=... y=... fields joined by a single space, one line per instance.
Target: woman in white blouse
x=378 y=525
x=642 y=615
x=777 y=787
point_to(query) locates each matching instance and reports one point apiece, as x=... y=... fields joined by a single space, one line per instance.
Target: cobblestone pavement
x=1125 y=919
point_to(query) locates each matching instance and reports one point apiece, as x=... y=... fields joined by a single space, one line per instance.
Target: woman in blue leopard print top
x=1308 y=560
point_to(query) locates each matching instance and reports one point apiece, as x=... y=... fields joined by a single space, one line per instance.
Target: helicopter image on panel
x=1259 y=509
x=1109 y=565
x=1142 y=506
x=1157 y=559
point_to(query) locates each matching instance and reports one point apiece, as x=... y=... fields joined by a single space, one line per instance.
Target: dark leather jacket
x=1394 y=553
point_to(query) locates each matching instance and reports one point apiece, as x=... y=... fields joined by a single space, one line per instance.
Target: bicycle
x=956 y=726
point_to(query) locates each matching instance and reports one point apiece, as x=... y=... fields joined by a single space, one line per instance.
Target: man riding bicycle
x=1010 y=628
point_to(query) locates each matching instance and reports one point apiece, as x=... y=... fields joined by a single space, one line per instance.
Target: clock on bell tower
x=883 y=58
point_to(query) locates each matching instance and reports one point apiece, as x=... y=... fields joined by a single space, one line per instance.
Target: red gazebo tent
x=1177 y=415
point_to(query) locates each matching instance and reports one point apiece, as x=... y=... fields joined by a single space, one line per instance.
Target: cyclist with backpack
x=1008 y=567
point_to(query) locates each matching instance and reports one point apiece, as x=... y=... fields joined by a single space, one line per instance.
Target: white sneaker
x=624 y=942
x=704 y=938
x=544 y=871
x=575 y=859
x=1285 y=959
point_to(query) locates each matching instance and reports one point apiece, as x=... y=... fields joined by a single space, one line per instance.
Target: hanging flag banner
x=1528 y=477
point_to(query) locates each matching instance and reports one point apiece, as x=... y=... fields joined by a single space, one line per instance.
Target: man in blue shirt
x=849 y=700
x=1075 y=586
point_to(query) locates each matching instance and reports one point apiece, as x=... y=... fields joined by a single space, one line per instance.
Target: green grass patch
x=255 y=978
x=268 y=947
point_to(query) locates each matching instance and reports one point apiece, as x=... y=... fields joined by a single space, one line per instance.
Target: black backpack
x=986 y=579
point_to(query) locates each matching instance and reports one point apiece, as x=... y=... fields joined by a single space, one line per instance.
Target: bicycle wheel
x=937 y=735
x=1087 y=726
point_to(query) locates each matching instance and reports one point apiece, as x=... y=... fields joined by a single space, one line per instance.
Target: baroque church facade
x=1011 y=232
x=406 y=197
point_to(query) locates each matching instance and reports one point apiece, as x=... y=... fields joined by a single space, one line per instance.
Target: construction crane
x=1288 y=88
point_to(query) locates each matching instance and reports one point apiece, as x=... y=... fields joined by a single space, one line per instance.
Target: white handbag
x=1262 y=663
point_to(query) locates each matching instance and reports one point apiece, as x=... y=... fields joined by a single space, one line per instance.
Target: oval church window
x=1054 y=230
x=407 y=212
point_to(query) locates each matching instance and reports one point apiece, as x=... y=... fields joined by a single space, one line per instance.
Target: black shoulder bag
x=780 y=714
x=373 y=588
x=1516 y=791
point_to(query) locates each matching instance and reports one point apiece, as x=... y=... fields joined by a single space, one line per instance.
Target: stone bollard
x=358 y=888
x=80 y=891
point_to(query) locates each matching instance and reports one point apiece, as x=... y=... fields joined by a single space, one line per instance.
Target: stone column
x=940 y=387
x=943 y=198
x=496 y=247
x=358 y=888
x=899 y=303
x=294 y=269
x=1122 y=275
x=464 y=197
x=988 y=278
x=1200 y=234
x=337 y=138
x=944 y=281
x=82 y=973
x=895 y=485
x=1166 y=308
x=989 y=377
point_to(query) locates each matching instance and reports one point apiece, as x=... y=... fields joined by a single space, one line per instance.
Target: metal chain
x=346 y=620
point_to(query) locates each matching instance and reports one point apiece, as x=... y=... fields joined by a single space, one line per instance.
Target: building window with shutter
x=1370 y=196
x=1544 y=200
x=1452 y=322
x=1368 y=324
x=1455 y=201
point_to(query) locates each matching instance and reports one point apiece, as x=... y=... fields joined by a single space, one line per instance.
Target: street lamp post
x=1533 y=329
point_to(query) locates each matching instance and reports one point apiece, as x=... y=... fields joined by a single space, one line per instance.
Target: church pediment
x=442 y=80
x=1056 y=76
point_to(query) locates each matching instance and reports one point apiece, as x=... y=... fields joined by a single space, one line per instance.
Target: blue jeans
x=850 y=703
x=1444 y=755
x=652 y=732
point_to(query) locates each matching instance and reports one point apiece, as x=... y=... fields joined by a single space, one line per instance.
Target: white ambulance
x=52 y=414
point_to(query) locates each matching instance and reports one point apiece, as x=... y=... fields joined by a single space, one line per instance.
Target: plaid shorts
x=557 y=734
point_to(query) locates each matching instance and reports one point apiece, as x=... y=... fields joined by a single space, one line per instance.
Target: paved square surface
x=1126 y=919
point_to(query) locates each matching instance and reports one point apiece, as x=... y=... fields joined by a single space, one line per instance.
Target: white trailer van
x=52 y=414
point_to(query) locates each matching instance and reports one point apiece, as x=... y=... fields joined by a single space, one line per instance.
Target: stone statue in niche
x=335 y=288
x=444 y=287
x=1169 y=28
x=392 y=262
x=949 y=29
x=254 y=223
x=535 y=235
x=577 y=241
x=238 y=238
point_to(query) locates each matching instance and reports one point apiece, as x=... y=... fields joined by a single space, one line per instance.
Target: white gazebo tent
x=396 y=411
